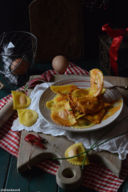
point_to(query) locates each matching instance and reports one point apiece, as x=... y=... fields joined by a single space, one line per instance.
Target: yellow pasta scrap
x=27 y=117
x=20 y=100
x=75 y=150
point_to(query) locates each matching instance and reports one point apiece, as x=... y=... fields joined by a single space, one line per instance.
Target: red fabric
x=117 y=35
x=95 y=176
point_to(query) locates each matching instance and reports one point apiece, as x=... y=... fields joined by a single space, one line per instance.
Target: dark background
x=14 y=16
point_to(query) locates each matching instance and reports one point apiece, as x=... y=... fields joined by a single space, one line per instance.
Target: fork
x=118 y=86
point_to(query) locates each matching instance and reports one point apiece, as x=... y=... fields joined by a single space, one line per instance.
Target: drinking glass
x=17 y=56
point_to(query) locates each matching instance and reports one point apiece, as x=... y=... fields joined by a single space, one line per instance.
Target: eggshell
x=60 y=63
x=19 y=66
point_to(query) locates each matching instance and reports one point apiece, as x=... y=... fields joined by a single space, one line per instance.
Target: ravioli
x=62 y=113
x=65 y=89
x=96 y=118
x=27 y=117
x=58 y=99
x=79 y=93
x=84 y=104
x=20 y=100
x=79 y=151
x=79 y=107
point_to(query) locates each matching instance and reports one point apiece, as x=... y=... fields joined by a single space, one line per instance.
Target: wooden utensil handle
x=6 y=112
x=69 y=176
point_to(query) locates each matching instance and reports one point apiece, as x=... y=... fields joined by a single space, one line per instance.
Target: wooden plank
x=58 y=26
x=4 y=163
x=34 y=180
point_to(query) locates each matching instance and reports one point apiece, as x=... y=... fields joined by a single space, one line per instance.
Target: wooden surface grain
x=58 y=26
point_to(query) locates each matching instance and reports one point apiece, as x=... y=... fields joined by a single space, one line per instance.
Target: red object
x=35 y=140
x=32 y=83
x=117 y=35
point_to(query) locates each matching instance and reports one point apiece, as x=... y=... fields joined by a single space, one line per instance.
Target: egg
x=60 y=63
x=19 y=66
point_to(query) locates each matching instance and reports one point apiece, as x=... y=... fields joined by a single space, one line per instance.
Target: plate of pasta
x=81 y=104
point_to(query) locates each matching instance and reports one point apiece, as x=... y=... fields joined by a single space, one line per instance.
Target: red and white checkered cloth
x=96 y=177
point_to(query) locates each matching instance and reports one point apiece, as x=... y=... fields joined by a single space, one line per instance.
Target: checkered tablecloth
x=95 y=176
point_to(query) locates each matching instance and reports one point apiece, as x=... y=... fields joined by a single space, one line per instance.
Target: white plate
x=82 y=82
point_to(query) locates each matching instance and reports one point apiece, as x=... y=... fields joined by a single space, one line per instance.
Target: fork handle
x=118 y=86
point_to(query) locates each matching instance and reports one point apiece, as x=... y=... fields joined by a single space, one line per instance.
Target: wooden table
x=37 y=180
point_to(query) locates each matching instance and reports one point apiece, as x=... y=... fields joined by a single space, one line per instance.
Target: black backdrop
x=14 y=15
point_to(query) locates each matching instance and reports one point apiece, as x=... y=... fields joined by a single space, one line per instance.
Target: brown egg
x=60 y=63
x=19 y=66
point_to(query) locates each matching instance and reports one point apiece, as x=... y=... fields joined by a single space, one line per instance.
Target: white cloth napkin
x=117 y=145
